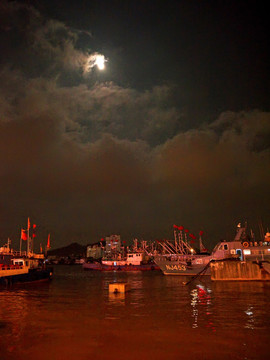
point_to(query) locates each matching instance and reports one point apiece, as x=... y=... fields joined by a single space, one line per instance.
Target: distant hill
x=73 y=249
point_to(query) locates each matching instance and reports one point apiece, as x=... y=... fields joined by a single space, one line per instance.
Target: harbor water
x=75 y=317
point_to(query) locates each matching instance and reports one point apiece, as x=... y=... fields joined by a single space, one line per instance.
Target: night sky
x=174 y=130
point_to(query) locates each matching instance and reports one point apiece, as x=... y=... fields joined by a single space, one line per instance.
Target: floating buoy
x=119 y=287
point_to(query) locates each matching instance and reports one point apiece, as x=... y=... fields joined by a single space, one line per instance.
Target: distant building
x=109 y=246
x=95 y=251
x=113 y=244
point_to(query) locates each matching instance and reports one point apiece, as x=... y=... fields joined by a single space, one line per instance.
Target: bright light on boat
x=246 y=252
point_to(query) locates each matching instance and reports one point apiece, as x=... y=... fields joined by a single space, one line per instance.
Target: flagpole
x=28 y=223
x=31 y=245
x=48 y=244
x=21 y=244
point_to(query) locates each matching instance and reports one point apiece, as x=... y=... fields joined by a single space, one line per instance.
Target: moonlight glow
x=94 y=60
x=100 y=62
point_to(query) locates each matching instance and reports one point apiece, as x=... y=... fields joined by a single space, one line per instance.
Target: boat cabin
x=135 y=258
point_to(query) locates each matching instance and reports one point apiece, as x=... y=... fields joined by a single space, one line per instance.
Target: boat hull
x=233 y=270
x=104 y=267
x=179 y=267
x=31 y=276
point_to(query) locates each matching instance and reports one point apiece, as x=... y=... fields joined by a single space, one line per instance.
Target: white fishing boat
x=180 y=258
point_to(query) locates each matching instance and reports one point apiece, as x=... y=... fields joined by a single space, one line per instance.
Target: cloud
x=86 y=161
x=39 y=46
x=83 y=178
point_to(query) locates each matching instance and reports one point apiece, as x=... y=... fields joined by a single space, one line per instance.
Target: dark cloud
x=39 y=46
x=87 y=160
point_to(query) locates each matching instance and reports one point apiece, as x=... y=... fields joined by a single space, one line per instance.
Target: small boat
x=179 y=258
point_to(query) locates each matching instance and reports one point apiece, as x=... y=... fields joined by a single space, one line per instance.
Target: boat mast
x=261 y=230
x=28 y=240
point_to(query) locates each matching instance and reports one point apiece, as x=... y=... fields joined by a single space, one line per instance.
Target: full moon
x=100 y=62
x=92 y=60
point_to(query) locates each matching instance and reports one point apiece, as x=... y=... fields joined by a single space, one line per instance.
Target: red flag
x=201 y=233
x=192 y=236
x=48 y=242
x=23 y=234
x=34 y=231
x=175 y=226
x=180 y=227
x=186 y=230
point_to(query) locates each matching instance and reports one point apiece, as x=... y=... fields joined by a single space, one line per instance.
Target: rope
x=199 y=273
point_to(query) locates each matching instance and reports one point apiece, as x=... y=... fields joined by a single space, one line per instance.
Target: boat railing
x=12 y=252
x=175 y=257
x=10 y=267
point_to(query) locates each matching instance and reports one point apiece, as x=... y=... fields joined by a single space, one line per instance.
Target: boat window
x=225 y=246
x=20 y=263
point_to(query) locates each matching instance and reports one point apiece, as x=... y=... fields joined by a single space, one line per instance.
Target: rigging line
x=199 y=273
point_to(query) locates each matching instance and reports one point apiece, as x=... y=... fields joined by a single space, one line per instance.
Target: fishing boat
x=132 y=262
x=18 y=267
x=179 y=258
x=118 y=258
x=23 y=270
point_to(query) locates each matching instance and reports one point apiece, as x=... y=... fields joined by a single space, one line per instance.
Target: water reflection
x=250 y=318
x=77 y=308
x=201 y=307
x=242 y=304
x=117 y=298
x=134 y=298
x=13 y=312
